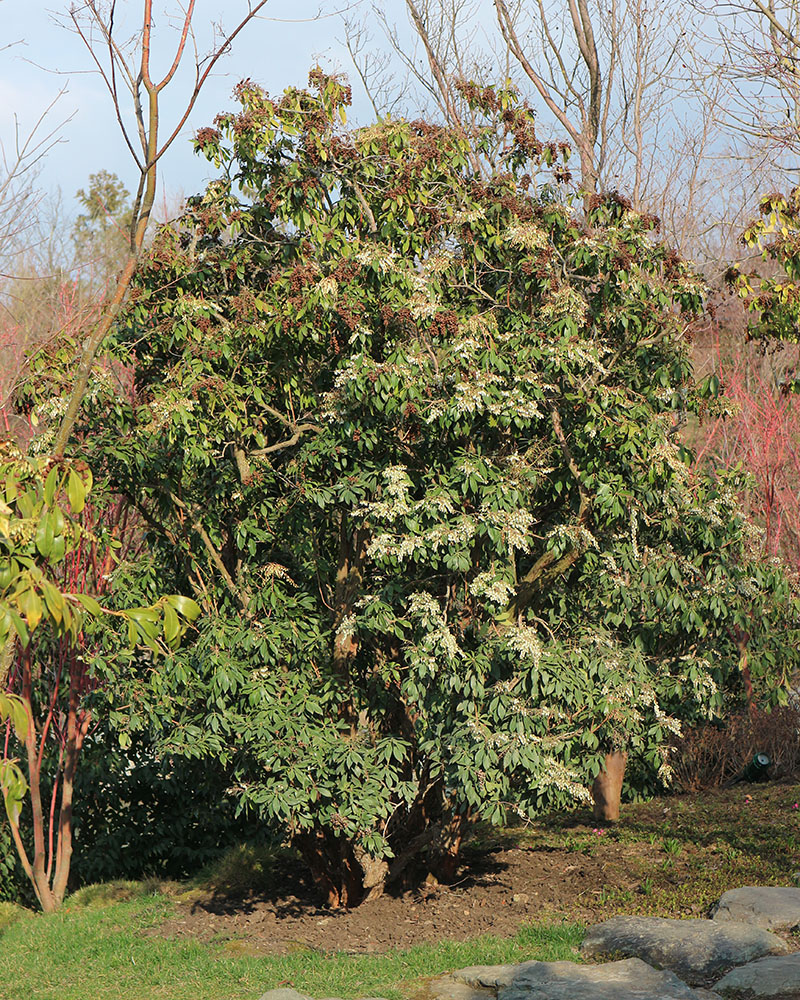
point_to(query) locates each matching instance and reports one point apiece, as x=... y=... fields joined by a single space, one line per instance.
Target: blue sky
x=275 y=51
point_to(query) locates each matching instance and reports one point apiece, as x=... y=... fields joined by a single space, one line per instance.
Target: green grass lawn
x=99 y=952
x=679 y=855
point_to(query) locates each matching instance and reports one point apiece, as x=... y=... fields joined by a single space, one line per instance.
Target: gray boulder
x=768 y=977
x=696 y=950
x=769 y=907
x=630 y=979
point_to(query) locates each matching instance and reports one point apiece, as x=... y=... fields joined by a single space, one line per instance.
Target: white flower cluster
x=523 y=639
x=162 y=409
x=425 y=608
x=527 y=235
x=471 y=394
x=577 y=535
x=704 y=684
x=439 y=262
x=438 y=502
x=379 y=257
x=435 y=410
x=467 y=215
x=349 y=371
x=191 y=305
x=465 y=348
x=635 y=534
x=481 y=326
x=718 y=511
x=423 y=305
x=665 y=771
x=667 y=721
x=515 y=525
x=488 y=585
x=102 y=381
x=53 y=408
x=328 y=288
x=456 y=533
x=467 y=467
x=386 y=544
x=584 y=355
x=555 y=775
x=346 y=629
x=513 y=401
x=667 y=452
x=565 y=301
x=535 y=460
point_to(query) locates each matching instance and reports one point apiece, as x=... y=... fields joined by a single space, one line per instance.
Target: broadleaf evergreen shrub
x=411 y=436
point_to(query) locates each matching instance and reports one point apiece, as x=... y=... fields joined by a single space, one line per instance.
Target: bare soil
x=671 y=857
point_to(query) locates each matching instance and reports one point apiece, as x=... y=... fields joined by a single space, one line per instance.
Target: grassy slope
x=682 y=854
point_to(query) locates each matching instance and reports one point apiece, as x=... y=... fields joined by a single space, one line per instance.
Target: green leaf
x=50 y=486
x=13 y=787
x=89 y=603
x=54 y=600
x=30 y=604
x=172 y=627
x=13 y=707
x=185 y=606
x=76 y=492
x=45 y=534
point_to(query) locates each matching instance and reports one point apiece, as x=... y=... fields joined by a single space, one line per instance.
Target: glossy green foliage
x=774 y=298
x=411 y=434
x=44 y=621
x=40 y=505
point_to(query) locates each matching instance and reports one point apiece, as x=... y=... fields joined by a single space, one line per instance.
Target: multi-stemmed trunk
x=52 y=823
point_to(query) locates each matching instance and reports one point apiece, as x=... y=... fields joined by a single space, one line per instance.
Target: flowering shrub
x=410 y=435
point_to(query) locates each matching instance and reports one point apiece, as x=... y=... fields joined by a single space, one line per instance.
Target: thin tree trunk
x=75 y=737
x=38 y=874
x=607 y=787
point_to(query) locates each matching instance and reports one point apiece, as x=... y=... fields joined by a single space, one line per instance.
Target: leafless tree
x=615 y=78
x=754 y=45
x=20 y=195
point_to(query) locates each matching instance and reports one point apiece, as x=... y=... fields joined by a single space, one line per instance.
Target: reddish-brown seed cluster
x=398 y=319
x=244 y=304
x=301 y=276
x=623 y=259
x=610 y=199
x=672 y=263
x=444 y=324
x=348 y=316
x=207 y=137
x=345 y=270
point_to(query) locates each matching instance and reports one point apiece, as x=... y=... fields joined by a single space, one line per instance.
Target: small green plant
x=646 y=888
x=672 y=846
